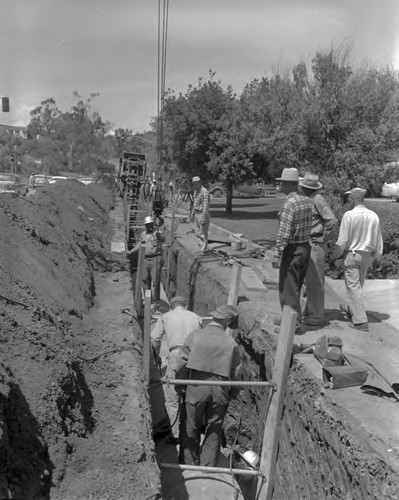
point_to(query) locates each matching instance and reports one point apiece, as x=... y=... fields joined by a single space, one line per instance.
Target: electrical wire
x=163 y=21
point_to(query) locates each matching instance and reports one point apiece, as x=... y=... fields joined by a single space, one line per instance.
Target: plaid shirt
x=201 y=200
x=295 y=222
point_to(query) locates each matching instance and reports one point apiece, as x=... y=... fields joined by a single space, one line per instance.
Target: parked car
x=12 y=183
x=55 y=178
x=39 y=180
x=245 y=190
x=391 y=190
x=86 y=180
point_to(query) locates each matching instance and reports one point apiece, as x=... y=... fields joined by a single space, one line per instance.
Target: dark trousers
x=152 y=276
x=293 y=267
x=205 y=405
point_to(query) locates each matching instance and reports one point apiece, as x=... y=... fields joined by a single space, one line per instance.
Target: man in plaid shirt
x=201 y=211
x=292 y=251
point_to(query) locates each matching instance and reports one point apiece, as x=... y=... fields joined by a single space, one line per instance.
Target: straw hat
x=149 y=220
x=311 y=181
x=196 y=179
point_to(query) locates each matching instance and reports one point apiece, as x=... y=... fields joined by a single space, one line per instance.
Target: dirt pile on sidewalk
x=51 y=244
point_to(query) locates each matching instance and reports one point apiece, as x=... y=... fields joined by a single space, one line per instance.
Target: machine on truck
x=132 y=169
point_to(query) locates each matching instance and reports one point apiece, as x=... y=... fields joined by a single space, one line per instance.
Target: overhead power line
x=163 y=18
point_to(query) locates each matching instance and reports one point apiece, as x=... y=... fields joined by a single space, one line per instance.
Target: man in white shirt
x=361 y=240
x=168 y=335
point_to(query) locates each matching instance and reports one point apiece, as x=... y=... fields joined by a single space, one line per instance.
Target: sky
x=49 y=48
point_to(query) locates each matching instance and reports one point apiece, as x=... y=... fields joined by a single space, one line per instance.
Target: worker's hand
x=203 y=220
x=276 y=262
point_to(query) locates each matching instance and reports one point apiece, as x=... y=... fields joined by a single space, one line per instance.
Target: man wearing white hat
x=168 y=335
x=201 y=211
x=292 y=251
x=324 y=225
x=360 y=240
x=153 y=257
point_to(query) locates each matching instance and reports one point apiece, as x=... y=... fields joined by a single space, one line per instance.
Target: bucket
x=236 y=245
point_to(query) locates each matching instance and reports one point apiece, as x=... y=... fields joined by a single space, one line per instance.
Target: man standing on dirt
x=324 y=225
x=360 y=240
x=168 y=335
x=292 y=251
x=153 y=257
x=208 y=354
x=201 y=211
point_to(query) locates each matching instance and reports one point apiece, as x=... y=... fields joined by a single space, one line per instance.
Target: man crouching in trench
x=208 y=354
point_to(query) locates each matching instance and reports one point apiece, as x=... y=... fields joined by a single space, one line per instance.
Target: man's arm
x=343 y=238
x=205 y=204
x=157 y=335
x=380 y=246
x=284 y=229
x=329 y=219
x=182 y=356
x=134 y=249
x=160 y=236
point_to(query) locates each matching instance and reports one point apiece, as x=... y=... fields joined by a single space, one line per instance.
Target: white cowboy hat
x=289 y=175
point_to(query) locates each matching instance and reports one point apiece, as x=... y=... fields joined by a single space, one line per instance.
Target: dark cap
x=178 y=300
x=225 y=312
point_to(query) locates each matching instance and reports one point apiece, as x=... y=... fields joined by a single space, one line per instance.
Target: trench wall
x=323 y=453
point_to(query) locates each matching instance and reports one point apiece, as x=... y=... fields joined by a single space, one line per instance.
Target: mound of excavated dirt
x=55 y=398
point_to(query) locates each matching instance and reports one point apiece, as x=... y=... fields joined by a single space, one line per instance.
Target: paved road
x=255 y=218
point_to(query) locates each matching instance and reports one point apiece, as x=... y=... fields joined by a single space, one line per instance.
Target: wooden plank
x=272 y=429
x=139 y=281
x=147 y=334
x=267 y=273
x=170 y=252
x=234 y=284
x=251 y=280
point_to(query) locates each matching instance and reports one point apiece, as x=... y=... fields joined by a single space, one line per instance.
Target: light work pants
x=152 y=276
x=356 y=265
x=202 y=228
x=314 y=313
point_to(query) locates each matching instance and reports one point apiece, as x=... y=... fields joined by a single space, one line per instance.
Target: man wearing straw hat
x=324 y=226
x=292 y=251
x=208 y=354
x=167 y=336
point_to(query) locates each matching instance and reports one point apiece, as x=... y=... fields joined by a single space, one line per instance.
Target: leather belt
x=152 y=255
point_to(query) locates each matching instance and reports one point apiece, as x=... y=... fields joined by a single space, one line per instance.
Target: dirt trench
x=74 y=416
x=324 y=452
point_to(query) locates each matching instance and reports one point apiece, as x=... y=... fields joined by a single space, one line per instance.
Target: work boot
x=363 y=327
x=345 y=311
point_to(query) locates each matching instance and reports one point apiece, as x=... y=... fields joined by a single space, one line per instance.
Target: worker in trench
x=208 y=354
x=151 y=239
x=167 y=336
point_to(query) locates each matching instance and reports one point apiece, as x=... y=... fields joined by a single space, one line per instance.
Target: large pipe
x=203 y=468
x=230 y=383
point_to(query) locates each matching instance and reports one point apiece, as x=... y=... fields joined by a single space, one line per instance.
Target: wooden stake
x=139 y=282
x=271 y=434
x=147 y=334
x=234 y=284
x=170 y=253
x=234 y=288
